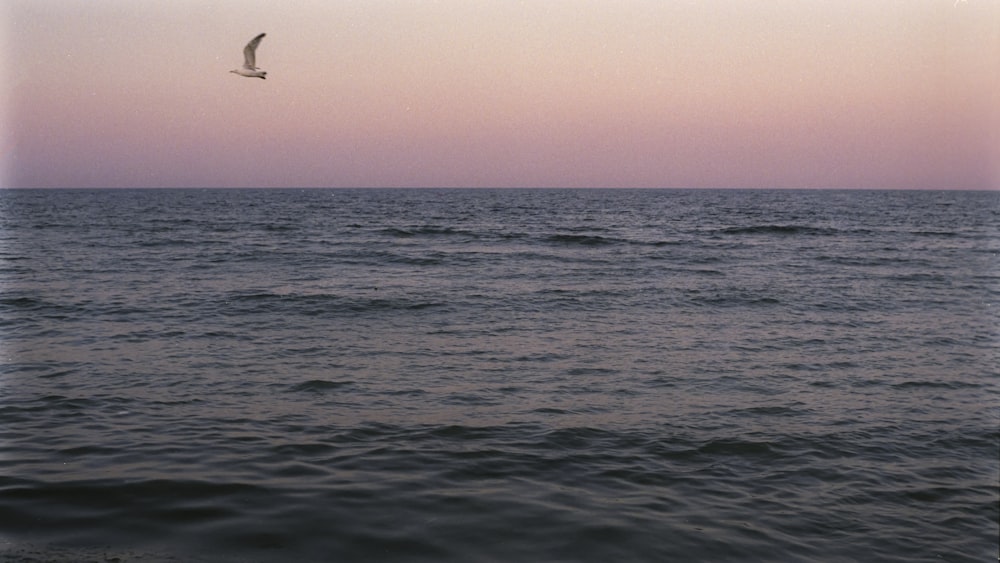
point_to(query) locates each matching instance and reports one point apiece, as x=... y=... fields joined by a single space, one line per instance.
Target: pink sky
x=651 y=93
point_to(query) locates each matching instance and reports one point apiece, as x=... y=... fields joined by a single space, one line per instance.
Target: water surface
x=499 y=375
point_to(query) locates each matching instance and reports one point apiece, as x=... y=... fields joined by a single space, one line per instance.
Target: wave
x=567 y=239
x=172 y=242
x=585 y=240
x=777 y=230
x=733 y=299
x=34 y=305
x=318 y=304
x=428 y=230
x=944 y=234
x=319 y=386
x=907 y=385
x=457 y=480
x=21 y=302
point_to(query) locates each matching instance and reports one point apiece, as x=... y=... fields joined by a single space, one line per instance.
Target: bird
x=250 y=69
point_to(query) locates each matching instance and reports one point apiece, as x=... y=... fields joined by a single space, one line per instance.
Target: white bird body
x=249 y=68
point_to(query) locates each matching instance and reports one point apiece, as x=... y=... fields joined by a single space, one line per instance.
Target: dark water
x=462 y=375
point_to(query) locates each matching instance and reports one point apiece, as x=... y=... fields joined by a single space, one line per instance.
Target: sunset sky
x=568 y=93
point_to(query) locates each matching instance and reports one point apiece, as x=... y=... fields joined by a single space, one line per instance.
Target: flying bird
x=250 y=69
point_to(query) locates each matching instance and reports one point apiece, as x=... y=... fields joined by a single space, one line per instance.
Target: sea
x=494 y=375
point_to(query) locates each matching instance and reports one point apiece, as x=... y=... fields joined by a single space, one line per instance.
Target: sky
x=502 y=93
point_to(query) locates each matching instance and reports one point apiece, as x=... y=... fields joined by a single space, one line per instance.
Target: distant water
x=499 y=375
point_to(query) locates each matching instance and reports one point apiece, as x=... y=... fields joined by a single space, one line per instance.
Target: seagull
x=250 y=69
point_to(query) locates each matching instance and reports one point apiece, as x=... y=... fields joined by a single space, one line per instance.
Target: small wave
x=319 y=386
x=256 y=296
x=167 y=242
x=933 y=385
x=936 y=233
x=585 y=240
x=322 y=303
x=551 y=410
x=20 y=302
x=69 y=403
x=428 y=230
x=396 y=232
x=733 y=447
x=708 y=272
x=389 y=304
x=467 y=399
x=58 y=373
x=405 y=392
x=736 y=300
x=869 y=261
x=580 y=371
x=769 y=411
x=776 y=230
x=52 y=310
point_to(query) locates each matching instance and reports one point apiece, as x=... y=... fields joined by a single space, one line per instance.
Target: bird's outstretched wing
x=249 y=52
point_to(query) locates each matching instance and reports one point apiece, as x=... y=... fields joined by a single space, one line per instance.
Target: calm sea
x=499 y=375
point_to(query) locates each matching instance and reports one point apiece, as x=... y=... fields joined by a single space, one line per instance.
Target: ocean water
x=499 y=375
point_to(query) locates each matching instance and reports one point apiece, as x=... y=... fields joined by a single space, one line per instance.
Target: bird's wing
x=249 y=52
